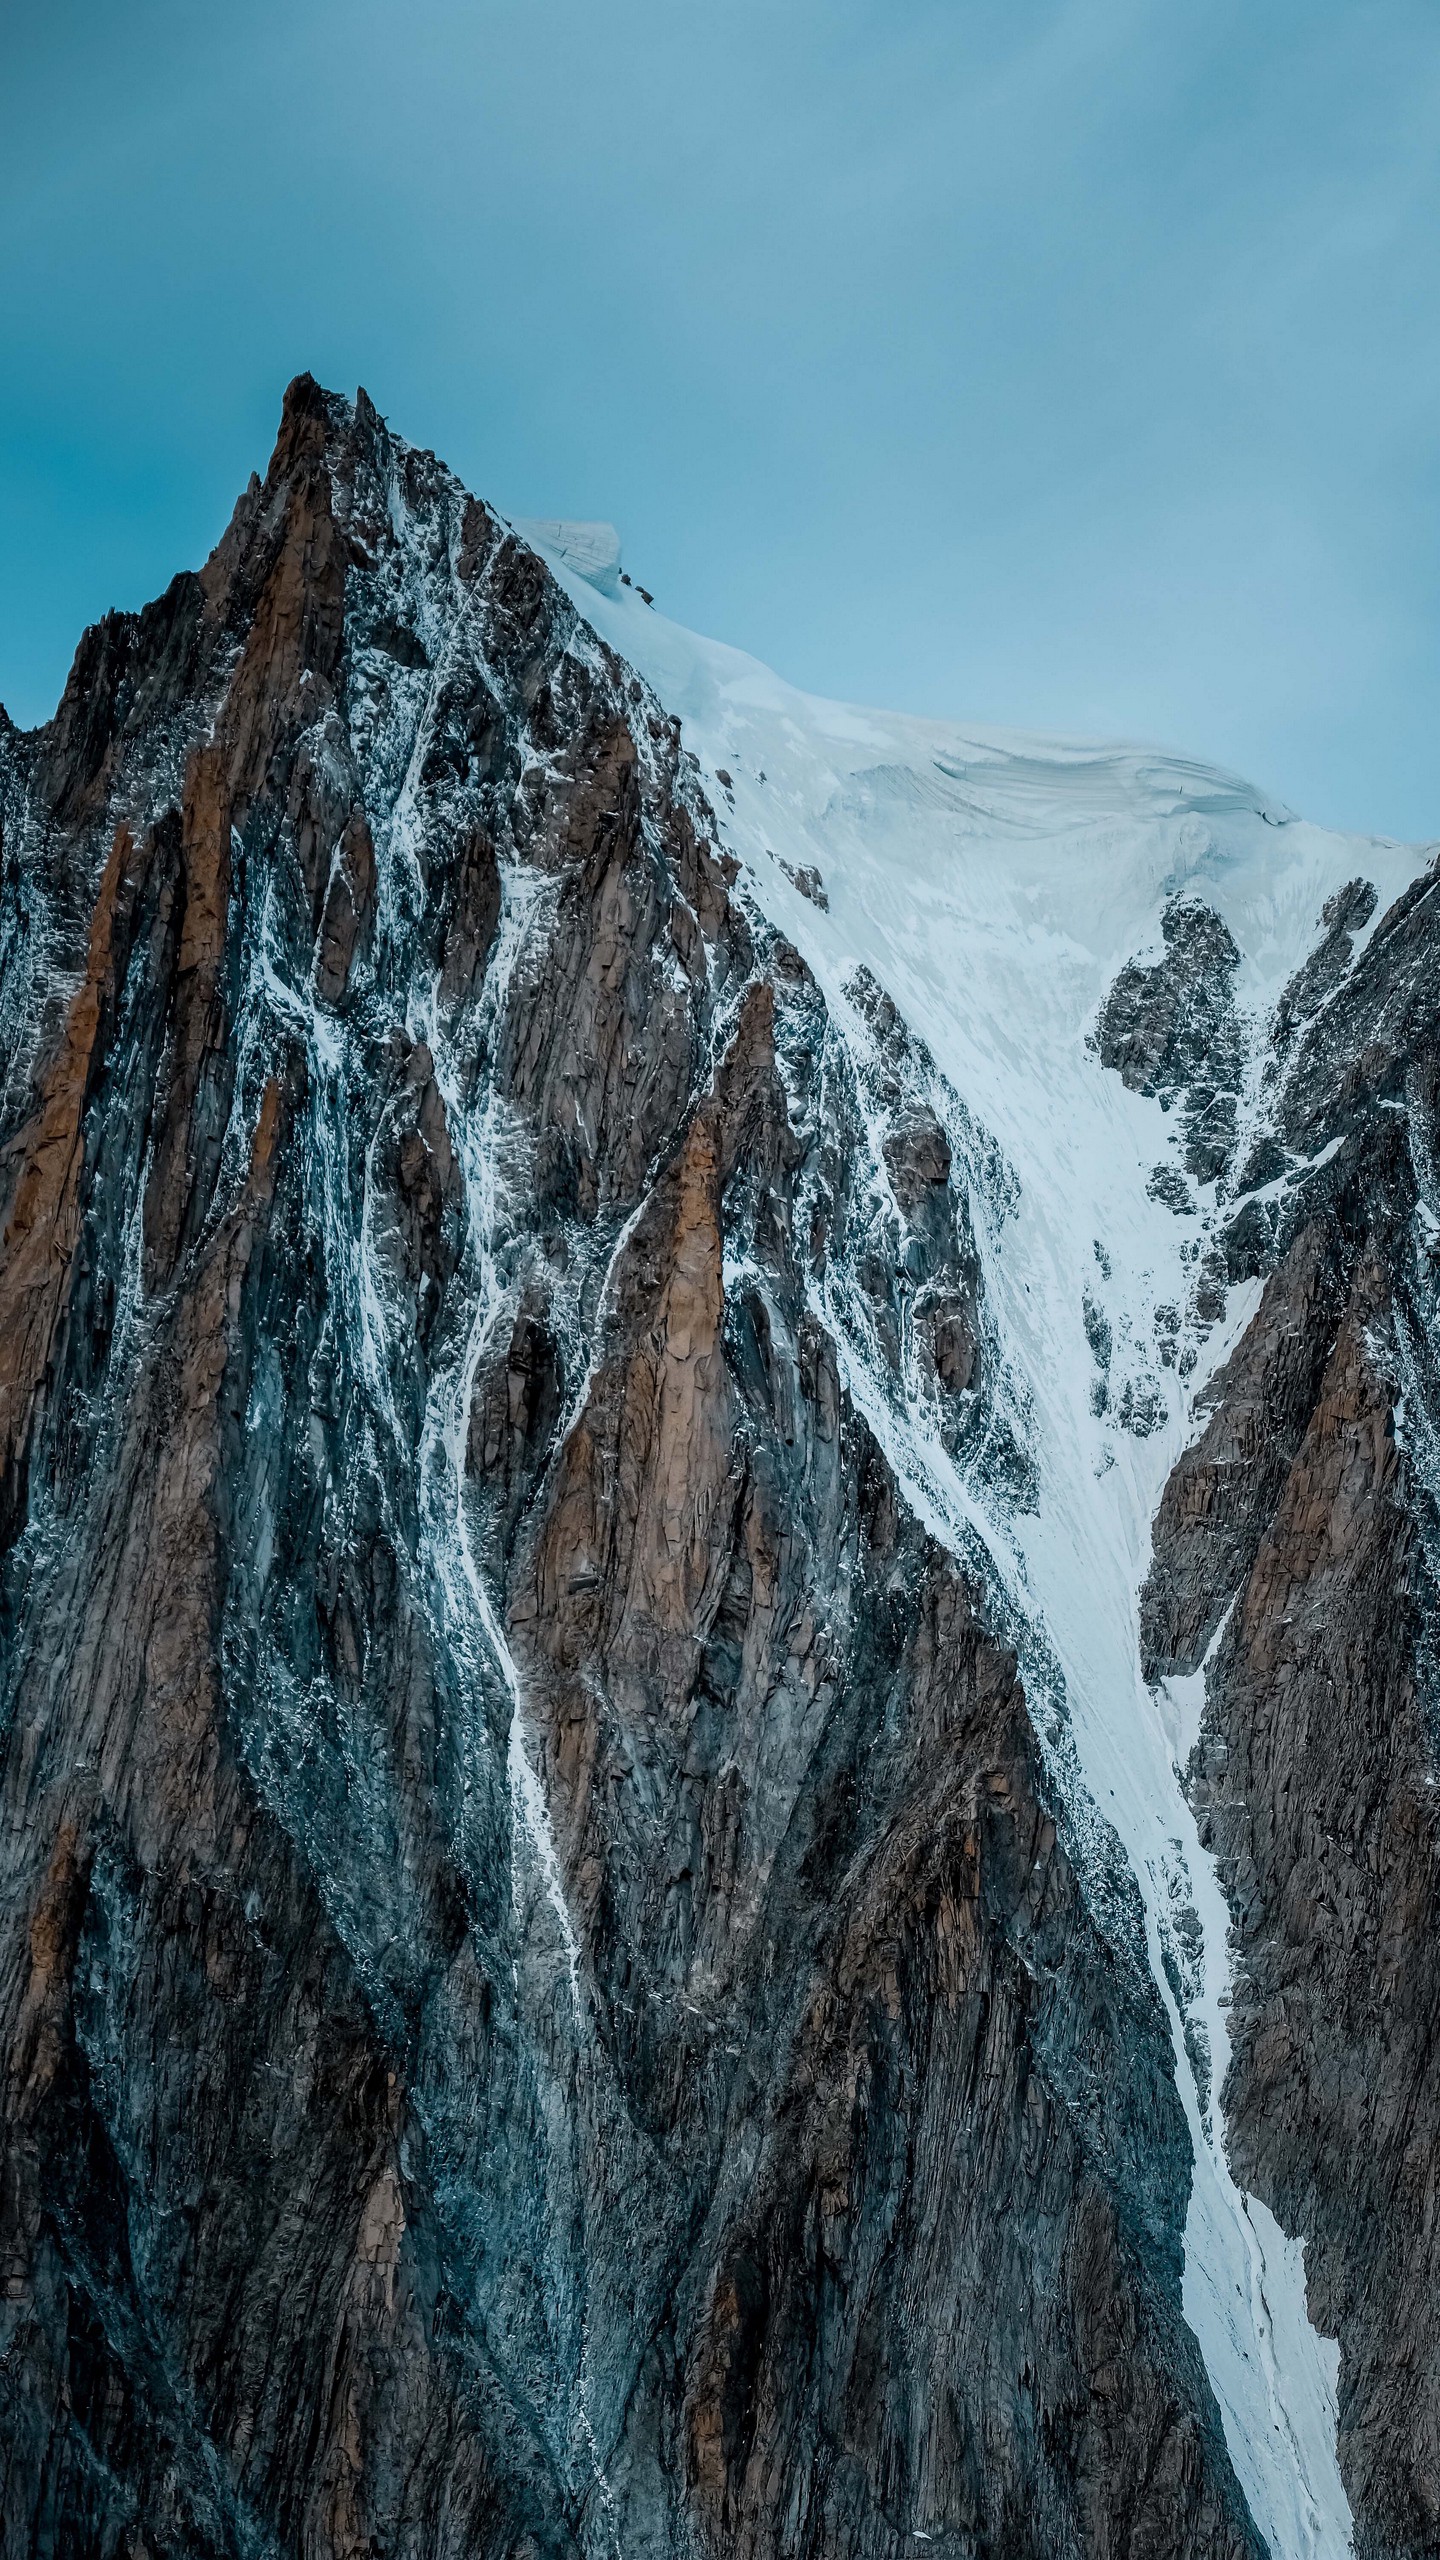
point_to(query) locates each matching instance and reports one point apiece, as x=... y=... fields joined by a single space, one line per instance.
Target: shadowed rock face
x=1299 y=1536
x=545 y=2003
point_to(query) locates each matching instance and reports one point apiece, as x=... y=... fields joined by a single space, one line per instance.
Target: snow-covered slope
x=995 y=884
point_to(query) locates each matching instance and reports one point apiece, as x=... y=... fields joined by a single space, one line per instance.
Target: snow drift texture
x=718 y=1470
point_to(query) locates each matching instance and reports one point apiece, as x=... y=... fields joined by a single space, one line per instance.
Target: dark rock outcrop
x=1171 y=1030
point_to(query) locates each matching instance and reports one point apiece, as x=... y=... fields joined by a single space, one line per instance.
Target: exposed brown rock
x=1315 y=1783
x=1222 y=1494
x=1314 y=1777
x=42 y=1224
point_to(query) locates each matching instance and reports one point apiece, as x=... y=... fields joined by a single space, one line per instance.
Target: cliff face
x=563 y=1985
x=1296 y=1544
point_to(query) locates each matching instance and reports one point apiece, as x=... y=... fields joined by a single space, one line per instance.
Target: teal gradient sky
x=1069 y=366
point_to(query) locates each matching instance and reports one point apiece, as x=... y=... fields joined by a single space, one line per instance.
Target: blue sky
x=1071 y=366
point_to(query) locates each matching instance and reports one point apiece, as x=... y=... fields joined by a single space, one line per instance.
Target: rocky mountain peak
x=716 y=1758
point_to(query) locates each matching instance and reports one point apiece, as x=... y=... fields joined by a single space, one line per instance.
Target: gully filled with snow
x=995 y=885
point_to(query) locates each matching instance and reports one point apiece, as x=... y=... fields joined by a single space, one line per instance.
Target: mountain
x=719 y=1457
